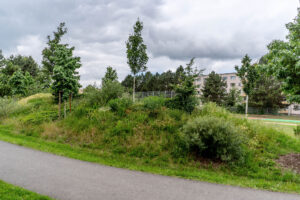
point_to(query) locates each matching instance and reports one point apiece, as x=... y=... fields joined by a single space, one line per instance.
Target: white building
x=231 y=79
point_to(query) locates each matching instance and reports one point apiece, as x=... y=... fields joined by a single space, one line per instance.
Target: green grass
x=11 y=192
x=209 y=174
x=149 y=139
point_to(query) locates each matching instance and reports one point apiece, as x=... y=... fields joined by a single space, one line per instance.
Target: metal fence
x=166 y=94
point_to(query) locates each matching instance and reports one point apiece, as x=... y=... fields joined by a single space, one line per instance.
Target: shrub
x=214 y=138
x=120 y=106
x=95 y=97
x=153 y=104
x=7 y=106
x=297 y=131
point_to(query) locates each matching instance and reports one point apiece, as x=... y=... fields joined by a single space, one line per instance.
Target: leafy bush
x=95 y=97
x=153 y=104
x=297 y=131
x=120 y=105
x=214 y=138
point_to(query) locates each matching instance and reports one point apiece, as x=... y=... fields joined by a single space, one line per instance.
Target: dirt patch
x=290 y=161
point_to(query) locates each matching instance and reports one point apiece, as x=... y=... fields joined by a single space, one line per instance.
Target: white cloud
x=218 y=33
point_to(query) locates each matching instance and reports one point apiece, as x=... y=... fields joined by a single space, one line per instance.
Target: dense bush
x=120 y=106
x=95 y=97
x=153 y=103
x=214 y=138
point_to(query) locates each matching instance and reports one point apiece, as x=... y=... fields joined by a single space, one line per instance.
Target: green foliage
x=136 y=51
x=233 y=98
x=120 y=105
x=110 y=75
x=7 y=106
x=215 y=138
x=247 y=73
x=39 y=117
x=214 y=89
x=65 y=77
x=48 y=52
x=284 y=61
x=11 y=192
x=297 y=131
x=267 y=92
x=111 y=90
x=16 y=82
x=185 y=98
x=153 y=103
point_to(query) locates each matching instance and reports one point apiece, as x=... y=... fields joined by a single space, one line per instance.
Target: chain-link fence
x=166 y=94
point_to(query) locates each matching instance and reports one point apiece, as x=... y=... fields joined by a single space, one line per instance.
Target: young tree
x=17 y=83
x=185 y=98
x=110 y=75
x=247 y=73
x=136 y=52
x=214 y=89
x=65 y=76
x=233 y=97
x=284 y=60
x=48 y=52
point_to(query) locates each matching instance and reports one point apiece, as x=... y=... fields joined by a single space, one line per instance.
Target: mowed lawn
x=11 y=192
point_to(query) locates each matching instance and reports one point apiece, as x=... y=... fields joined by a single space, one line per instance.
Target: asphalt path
x=70 y=179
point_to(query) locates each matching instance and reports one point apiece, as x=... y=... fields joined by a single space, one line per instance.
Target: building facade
x=231 y=79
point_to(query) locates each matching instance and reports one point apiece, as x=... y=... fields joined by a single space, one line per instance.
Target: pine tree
x=214 y=89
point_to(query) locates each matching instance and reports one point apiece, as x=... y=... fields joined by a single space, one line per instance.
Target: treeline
x=20 y=75
x=155 y=81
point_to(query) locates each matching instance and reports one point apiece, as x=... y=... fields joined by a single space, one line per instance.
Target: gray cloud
x=218 y=33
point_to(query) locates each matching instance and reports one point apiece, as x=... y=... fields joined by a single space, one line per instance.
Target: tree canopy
x=284 y=60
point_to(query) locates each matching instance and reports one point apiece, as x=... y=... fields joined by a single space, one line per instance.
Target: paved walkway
x=69 y=179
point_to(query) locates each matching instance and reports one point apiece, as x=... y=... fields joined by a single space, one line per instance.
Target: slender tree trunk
x=59 y=104
x=133 y=93
x=70 y=101
x=65 y=109
x=246 y=111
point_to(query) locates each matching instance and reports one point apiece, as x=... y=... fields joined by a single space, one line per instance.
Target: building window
x=232 y=84
x=224 y=78
x=232 y=77
x=240 y=84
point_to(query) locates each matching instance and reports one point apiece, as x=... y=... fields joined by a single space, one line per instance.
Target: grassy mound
x=149 y=134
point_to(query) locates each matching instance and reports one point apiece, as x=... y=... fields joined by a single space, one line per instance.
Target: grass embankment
x=150 y=140
x=11 y=192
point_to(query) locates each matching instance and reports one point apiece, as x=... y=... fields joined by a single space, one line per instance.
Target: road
x=69 y=179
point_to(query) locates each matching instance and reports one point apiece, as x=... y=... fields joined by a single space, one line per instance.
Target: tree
x=267 y=91
x=233 y=97
x=17 y=83
x=284 y=60
x=247 y=73
x=25 y=63
x=65 y=76
x=185 y=98
x=136 y=52
x=110 y=75
x=214 y=89
x=48 y=52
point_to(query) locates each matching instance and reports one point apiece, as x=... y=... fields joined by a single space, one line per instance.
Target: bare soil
x=290 y=161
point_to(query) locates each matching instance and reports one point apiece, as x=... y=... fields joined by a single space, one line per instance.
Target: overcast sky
x=217 y=32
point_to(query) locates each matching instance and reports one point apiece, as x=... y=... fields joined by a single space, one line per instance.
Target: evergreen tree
x=136 y=52
x=65 y=76
x=17 y=83
x=185 y=98
x=214 y=89
x=48 y=52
